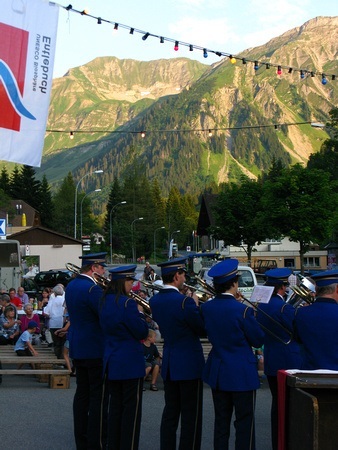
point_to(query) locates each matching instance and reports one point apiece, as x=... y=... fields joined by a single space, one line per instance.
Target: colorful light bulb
x=205 y=53
x=279 y=70
x=176 y=46
x=324 y=79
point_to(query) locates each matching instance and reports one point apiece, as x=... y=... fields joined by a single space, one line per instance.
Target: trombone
x=104 y=283
x=73 y=268
x=212 y=291
x=272 y=320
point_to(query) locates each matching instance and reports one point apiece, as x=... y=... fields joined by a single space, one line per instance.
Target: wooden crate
x=45 y=377
x=59 y=381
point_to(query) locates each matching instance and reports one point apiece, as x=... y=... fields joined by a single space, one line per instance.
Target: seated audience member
x=26 y=318
x=24 y=346
x=14 y=299
x=10 y=327
x=152 y=359
x=44 y=298
x=22 y=296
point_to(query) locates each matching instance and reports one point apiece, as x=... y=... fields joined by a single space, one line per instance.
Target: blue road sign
x=2 y=227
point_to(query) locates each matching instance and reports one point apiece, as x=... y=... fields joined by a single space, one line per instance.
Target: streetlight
x=160 y=228
x=132 y=238
x=172 y=234
x=76 y=189
x=96 y=190
x=111 y=229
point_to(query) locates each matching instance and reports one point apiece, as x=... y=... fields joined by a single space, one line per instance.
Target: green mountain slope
x=166 y=97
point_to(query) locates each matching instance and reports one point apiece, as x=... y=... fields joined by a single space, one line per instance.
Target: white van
x=246 y=282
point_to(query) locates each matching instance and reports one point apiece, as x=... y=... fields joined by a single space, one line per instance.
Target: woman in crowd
x=26 y=318
x=54 y=312
x=124 y=326
x=43 y=300
x=9 y=327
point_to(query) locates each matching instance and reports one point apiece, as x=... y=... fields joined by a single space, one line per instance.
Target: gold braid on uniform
x=183 y=302
x=248 y=307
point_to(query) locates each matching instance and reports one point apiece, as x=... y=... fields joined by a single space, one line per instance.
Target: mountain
x=173 y=100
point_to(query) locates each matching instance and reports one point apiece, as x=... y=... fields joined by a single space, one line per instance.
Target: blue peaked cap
x=275 y=277
x=325 y=278
x=224 y=271
x=94 y=258
x=173 y=265
x=119 y=273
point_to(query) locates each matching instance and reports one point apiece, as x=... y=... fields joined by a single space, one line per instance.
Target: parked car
x=30 y=287
x=51 y=278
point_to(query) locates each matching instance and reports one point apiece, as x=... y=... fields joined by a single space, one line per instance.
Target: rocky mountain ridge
x=126 y=96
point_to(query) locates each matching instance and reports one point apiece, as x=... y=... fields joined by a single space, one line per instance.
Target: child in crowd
x=24 y=346
x=152 y=359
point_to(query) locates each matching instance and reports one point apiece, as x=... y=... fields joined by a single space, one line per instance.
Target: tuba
x=304 y=293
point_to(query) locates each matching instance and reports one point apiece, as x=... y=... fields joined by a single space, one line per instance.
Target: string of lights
x=257 y=64
x=209 y=131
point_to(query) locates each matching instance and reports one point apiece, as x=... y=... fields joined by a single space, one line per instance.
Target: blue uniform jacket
x=180 y=325
x=316 y=327
x=278 y=356
x=232 y=331
x=86 y=339
x=124 y=327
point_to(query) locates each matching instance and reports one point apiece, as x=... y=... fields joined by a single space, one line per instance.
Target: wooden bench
x=44 y=367
x=206 y=346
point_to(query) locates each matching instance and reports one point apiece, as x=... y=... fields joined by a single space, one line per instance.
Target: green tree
x=300 y=204
x=5 y=181
x=46 y=207
x=327 y=158
x=26 y=187
x=111 y=223
x=15 y=187
x=5 y=201
x=238 y=215
x=63 y=201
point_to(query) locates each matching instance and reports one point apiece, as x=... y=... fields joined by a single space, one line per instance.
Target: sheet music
x=261 y=294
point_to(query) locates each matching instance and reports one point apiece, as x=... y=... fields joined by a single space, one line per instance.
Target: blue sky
x=223 y=25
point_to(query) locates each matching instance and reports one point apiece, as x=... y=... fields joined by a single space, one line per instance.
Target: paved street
x=37 y=417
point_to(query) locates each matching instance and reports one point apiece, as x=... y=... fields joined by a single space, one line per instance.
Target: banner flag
x=28 y=31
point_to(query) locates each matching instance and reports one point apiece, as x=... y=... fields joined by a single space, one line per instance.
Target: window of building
x=289 y=262
x=311 y=261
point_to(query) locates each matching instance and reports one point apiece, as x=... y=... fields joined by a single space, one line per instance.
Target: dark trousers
x=89 y=405
x=125 y=410
x=58 y=342
x=183 y=399
x=244 y=405
x=274 y=410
